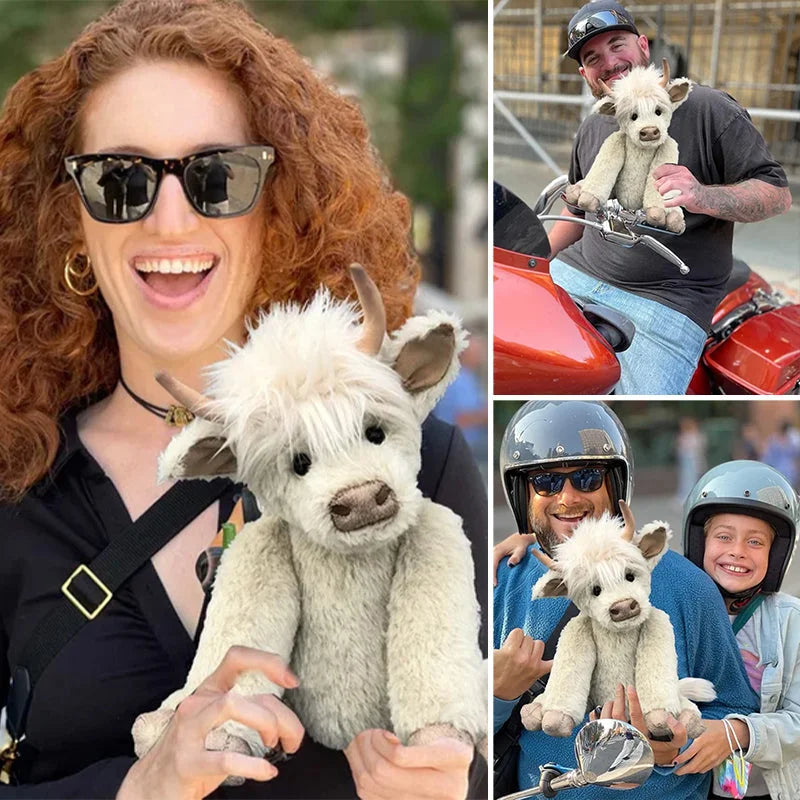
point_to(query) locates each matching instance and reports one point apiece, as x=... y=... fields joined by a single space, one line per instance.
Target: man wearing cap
x=726 y=174
x=561 y=462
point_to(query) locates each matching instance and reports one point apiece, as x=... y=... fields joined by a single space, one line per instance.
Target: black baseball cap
x=596 y=17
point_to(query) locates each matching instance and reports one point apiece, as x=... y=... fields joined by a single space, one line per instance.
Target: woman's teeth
x=173 y=265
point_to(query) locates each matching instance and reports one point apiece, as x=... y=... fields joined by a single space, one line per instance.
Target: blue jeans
x=666 y=347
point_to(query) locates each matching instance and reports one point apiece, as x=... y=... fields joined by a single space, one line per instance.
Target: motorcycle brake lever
x=653 y=228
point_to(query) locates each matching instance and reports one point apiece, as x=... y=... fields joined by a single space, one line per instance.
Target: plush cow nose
x=649 y=134
x=624 y=609
x=366 y=504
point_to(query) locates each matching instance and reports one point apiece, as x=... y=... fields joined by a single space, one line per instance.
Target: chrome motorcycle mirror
x=549 y=194
x=608 y=753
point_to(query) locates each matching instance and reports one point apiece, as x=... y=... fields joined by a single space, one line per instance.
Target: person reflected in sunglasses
x=177 y=170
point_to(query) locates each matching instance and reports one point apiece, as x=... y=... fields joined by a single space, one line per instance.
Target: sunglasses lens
x=548 y=483
x=222 y=184
x=587 y=480
x=594 y=23
x=117 y=189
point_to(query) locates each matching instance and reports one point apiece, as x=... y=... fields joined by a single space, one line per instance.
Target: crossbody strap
x=512 y=728
x=91 y=586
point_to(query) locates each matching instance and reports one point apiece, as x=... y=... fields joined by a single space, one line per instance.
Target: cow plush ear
x=549 y=585
x=605 y=106
x=424 y=353
x=678 y=91
x=653 y=541
x=199 y=451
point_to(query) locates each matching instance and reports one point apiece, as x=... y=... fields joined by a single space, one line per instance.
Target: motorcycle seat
x=738 y=277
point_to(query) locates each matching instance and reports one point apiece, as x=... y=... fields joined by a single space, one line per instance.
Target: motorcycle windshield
x=516 y=227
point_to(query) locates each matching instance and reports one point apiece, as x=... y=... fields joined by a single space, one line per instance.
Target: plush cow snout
x=362 y=505
x=624 y=609
x=649 y=134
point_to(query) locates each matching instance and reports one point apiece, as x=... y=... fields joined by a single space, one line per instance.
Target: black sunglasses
x=598 y=21
x=586 y=479
x=118 y=187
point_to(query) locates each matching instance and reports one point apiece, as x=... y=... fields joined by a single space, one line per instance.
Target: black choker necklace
x=175 y=415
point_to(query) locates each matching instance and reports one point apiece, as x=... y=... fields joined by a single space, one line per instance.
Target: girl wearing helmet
x=740 y=526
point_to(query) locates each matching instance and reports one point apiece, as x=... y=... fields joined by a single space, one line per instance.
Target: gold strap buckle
x=77 y=603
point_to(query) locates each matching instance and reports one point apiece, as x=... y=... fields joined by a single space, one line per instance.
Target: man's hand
x=749 y=201
x=711 y=747
x=517 y=664
x=383 y=769
x=515 y=547
x=664 y=753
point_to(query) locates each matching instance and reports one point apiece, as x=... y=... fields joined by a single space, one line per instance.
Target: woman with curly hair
x=177 y=169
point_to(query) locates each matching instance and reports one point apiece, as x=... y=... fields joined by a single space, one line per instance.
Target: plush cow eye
x=634 y=117
x=629 y=576
x=658 y=112
x=596 y=590
x=375 y=434
x=301 y=463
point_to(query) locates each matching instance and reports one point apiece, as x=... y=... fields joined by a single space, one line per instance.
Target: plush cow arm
x=254 y=603
x=567 y=692
x=598 y=185
x=653 y=203
x=435 y=674
x=657 y=671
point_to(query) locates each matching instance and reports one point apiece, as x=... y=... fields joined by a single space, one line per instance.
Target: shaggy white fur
x=624 y=165
x=379 y=621
x=617 y=637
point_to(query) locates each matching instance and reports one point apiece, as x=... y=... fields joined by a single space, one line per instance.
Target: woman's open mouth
x=174 y=283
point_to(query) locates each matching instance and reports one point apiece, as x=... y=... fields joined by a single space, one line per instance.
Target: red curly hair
x=329 y=203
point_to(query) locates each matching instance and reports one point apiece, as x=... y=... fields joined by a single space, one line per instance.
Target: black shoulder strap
x=512 y=728
x=91 y=586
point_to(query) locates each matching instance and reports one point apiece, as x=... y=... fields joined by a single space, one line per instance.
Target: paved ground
x=771 y=247
x=645 y=509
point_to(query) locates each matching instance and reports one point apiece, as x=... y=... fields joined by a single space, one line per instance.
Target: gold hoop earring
x=71 y=274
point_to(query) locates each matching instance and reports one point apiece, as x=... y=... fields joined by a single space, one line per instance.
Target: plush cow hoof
x=531 y=716
x=656 y=721
x=588 y=202
x=147 y=729
x=572 y=193
x=555 y=723
x=675 y=221
x=693 y=722
x=656 y=216
x=220 y=739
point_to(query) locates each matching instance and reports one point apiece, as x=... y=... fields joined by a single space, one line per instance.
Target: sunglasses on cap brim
x=586 y=479
x=121 y=187
x=589 y=25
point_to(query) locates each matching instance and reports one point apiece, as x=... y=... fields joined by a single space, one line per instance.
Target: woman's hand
x=517 y=664
x=383 y=769
x=711 y=747
x=664 y=753
x=180 y=767
x=514 y=546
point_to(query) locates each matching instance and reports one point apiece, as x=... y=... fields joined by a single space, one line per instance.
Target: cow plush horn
x=545 y=559
x=197 y=403
x=665 y=70
x=630 y=525
x=369 y=297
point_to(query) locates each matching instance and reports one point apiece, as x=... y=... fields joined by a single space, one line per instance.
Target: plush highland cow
x=358 y=582
x=617 y=637
x=642 y=102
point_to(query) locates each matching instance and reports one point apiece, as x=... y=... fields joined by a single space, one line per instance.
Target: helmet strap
x=736 y=601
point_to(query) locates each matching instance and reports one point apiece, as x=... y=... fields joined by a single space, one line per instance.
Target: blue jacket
x=704 y=642
x=775 y=730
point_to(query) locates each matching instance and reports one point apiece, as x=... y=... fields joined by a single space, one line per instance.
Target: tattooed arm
x=748 y=201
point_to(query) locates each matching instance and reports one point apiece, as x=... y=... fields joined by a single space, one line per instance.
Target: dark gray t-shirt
x=718 y=143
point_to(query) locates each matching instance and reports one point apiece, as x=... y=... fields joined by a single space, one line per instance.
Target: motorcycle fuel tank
x=542 y=342
x=761 y=356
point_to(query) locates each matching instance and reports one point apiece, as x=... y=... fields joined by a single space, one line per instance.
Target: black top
x=136 y=652
x=719 y=145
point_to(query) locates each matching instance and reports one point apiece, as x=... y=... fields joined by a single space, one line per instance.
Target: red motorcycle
x=546 y=343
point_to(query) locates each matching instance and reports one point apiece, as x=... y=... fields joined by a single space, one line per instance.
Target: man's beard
x=547 y=538
x=641 y=61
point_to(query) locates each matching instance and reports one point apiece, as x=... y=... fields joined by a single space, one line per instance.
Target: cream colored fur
x=595 y=653
x=624 y=165
x=379 y=623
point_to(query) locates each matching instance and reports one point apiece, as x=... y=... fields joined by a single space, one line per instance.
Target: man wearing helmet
x=740 y=527
x=559 y=462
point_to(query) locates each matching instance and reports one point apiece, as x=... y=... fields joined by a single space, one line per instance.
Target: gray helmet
x=562 y=433
x=744 y=487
